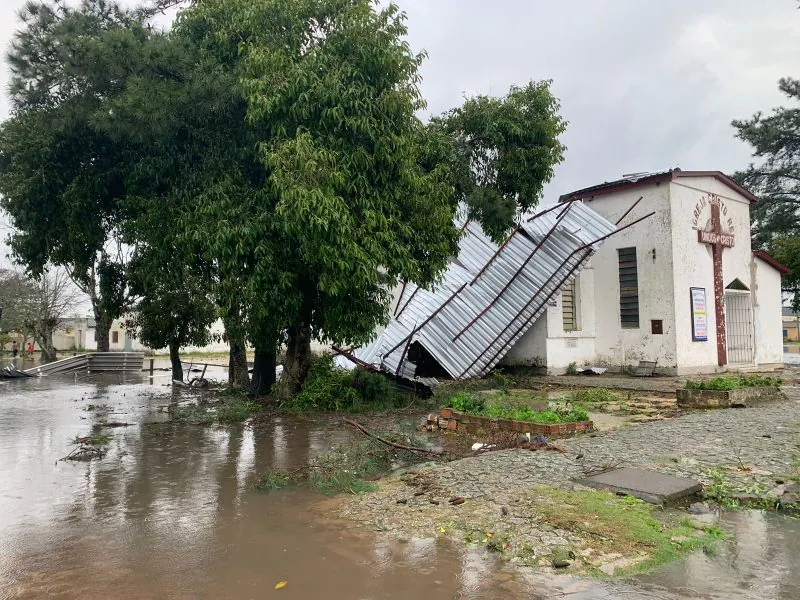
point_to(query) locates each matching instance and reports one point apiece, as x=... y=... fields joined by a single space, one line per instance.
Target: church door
x=739 y=327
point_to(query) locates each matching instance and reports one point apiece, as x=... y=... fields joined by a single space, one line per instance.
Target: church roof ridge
x=633 y=180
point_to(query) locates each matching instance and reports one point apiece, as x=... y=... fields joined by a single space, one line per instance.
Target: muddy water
x=170 y=513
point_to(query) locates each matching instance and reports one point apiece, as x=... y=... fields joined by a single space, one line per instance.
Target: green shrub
x=572 y=368
x=734 y=382
x=466 y=402
x=331 y=388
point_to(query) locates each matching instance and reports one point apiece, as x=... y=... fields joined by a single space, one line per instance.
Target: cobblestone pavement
x=763 y=439
x=750 y=445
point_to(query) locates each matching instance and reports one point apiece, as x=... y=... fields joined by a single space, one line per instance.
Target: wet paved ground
x=170 y=513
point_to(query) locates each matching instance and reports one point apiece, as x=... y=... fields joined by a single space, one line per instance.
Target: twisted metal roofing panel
x=488 y=298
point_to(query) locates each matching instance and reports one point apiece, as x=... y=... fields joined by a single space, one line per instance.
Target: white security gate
x=739 y=327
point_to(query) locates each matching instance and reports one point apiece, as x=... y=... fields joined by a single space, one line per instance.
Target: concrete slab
x=650 y=486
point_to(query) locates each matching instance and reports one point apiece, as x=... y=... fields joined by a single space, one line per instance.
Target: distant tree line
x=258 y=161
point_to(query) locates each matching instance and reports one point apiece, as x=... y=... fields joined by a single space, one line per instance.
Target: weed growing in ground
x=720 y=489
x=593 y=396
x=794 y=476
x=560 y=414
x=466 y=402
x=97 y=407
x=623 y=525
x=734 y=382
x=572 y=368
x=502 y=381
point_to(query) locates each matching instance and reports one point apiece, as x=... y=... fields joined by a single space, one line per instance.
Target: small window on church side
x=569 y=306
x=115 y=337
x=628 y=288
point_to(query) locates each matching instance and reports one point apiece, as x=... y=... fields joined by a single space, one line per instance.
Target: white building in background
x=682 y=287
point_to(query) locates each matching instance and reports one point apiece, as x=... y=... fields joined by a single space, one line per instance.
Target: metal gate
x=739 y=327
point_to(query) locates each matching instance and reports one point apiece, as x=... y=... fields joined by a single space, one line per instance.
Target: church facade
x=682 y=288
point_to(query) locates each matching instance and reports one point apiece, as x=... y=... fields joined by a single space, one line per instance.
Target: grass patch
x=622 y=525
x=593 y=396
x=348 y=468
x=97 y=407
x=499 y=408
x=95 y=439
x=734 y=382
x=560 y=414
x=233 y=410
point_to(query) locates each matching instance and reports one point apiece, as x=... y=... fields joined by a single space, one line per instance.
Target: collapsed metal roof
x=490 y=296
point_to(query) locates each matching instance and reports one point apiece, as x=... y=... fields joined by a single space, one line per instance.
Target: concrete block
x=650 y=486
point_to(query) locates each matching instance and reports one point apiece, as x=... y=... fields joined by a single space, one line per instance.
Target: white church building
x=681 y=288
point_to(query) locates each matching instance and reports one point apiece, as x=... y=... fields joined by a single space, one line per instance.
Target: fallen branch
x=361 y=428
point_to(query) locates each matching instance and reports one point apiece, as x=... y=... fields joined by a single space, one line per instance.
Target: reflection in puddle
x=170 y=513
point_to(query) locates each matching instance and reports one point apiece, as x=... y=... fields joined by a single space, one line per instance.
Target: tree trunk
x=263 y=378
x=298 y=358
x=237 y=365
x=175 y=360
x=102 y=331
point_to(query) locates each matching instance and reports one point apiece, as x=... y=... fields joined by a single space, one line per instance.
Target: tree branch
x=361 y=428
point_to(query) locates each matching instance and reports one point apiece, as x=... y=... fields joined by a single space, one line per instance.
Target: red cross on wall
x=718 y=240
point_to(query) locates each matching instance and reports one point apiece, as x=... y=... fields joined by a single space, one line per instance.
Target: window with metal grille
x=628 y=288
x=569 y=306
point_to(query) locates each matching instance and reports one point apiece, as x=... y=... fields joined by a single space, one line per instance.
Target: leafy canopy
x=503 y=152
x=775 y=139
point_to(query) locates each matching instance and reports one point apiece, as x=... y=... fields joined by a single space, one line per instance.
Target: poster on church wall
x=699 y=315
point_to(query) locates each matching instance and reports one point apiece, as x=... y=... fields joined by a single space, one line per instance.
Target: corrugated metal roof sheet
x=489 y=299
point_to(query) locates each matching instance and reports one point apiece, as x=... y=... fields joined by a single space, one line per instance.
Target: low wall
x=451 y=420
x=751 y=396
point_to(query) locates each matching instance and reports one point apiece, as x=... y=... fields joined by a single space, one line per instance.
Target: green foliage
x=775 y=223
x=95 y=439
x=229 y=411
x=623 y=525
x=476 y=404
x=561 y=414
x=68 y=63
x=593 y=396
x=467 y=403
x=503 y=152
x=734 y=382
x=272 y=481
x=331 y=388
x=346 y=468
x=720 y=490
x=572 y=368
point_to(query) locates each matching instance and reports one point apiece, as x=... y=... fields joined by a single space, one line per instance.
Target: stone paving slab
x=650 y=486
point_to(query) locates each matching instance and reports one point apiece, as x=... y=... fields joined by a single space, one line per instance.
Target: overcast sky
x=644 y=84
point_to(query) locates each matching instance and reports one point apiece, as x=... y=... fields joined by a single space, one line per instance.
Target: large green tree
x=775 y=179
x=346 y=208
x=502 y=152
x=61 y=176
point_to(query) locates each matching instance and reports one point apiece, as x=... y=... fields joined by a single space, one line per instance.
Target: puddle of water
x=171 y=513
x=760 y=562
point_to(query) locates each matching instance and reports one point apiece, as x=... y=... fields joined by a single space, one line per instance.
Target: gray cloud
x=645 y=85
